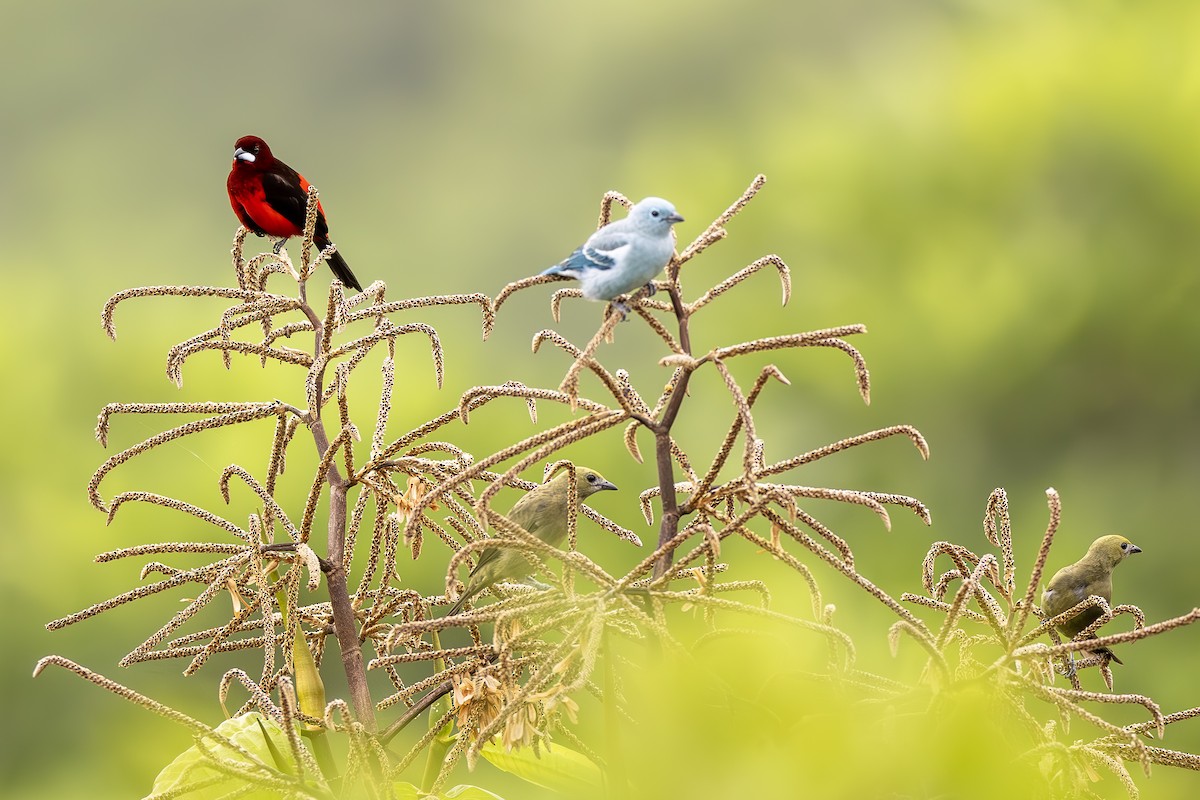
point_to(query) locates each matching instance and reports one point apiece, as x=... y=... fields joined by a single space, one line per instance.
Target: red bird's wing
x=273 y=201
x=286 y=194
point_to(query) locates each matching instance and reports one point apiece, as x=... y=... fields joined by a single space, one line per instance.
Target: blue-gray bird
x=623 y=255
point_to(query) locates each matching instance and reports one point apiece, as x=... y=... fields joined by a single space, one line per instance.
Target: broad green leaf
x=256 y=734
x=466 y=792
x=559 y=768
x=407 y=791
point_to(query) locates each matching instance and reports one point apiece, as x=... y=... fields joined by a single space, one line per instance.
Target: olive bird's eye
x=591 y=478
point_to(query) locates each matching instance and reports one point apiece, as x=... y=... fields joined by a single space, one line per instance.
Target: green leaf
x=407 y=791
x=256 y=734
x=466 y=792
x=559 y=769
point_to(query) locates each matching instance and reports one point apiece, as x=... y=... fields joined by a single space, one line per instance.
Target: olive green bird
x=1090 y=575
x=542 y=512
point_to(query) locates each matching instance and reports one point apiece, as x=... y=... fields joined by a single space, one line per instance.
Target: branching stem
x=669 y=526
x=345 y=623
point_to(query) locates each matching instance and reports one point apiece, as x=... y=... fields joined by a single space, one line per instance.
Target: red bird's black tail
x=341 y=270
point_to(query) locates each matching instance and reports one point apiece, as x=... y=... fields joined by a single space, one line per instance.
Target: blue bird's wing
x=601 y=252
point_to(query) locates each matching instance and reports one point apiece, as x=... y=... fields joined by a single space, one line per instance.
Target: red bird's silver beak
x=242 y=155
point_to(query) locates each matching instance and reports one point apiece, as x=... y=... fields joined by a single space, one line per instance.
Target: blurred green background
x=1005 y=193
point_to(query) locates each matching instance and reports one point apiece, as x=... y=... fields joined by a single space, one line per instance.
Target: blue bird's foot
x=621 y=309
x=651 y=289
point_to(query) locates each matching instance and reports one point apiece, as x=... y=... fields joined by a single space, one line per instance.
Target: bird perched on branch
x=1090 y=575
x=625 y=254
x=542 y=512
x=270 y=199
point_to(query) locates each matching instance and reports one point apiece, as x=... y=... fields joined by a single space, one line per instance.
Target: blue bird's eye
x=654 y=213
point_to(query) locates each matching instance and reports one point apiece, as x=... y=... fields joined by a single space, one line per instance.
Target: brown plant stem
x=345 y=623
x=669 y=525
x=437 y=692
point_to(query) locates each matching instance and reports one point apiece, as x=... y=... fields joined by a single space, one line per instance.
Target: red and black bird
x=270 y=198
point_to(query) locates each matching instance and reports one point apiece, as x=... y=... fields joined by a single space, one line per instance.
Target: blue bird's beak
x=674 y=218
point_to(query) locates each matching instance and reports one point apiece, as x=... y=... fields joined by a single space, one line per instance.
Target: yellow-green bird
x=1090 y=575
x=542 y=512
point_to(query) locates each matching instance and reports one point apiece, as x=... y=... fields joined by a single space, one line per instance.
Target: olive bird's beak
x=606 y=485
x=242 y=155
x=1133 y=548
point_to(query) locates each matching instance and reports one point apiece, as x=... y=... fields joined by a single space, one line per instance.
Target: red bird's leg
x=278 y=246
